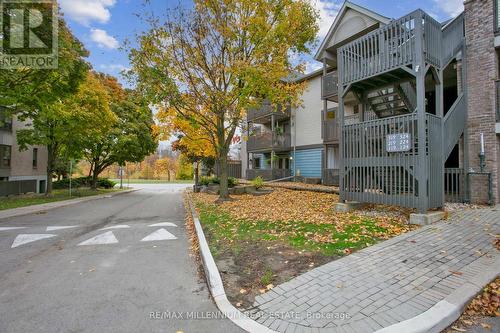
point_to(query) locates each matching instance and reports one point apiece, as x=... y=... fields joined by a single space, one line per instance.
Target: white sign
x=398 y=142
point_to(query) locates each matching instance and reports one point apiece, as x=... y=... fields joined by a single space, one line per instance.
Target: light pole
x=482 y=156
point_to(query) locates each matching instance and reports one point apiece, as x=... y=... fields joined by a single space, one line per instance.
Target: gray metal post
x=440 y=112
x=423 y=167
x=341 y=126
x=323 y=129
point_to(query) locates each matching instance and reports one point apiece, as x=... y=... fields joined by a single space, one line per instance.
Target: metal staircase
x=396 y=154
x=394 y=100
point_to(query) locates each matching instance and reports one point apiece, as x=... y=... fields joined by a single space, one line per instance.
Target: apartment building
x=20 y=171
x=403 y=112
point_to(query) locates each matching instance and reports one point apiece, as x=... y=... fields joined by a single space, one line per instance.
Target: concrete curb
x=14 y=212
x=445 y=312
x=217 y=288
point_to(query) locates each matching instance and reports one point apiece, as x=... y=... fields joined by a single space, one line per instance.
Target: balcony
x=329 y=87
x=331 y=177
x=269 y=141
x=268 y=174
x=263 y=113
x=394 y=46
x=331 y=130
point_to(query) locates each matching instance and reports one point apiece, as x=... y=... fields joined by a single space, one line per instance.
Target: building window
x=256 y=163
x=332 y=158
x=35 y=158
x=5 y=156
x=5 y=121
x=496 y=7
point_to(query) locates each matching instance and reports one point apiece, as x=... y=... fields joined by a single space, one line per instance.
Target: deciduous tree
x=212 y=62
x=129 y=139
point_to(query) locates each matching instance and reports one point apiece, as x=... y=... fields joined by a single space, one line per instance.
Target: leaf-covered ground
x=261 y=241
x=486 y=304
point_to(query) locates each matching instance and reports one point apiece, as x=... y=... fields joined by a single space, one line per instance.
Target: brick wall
x=22 y=161
x=480 y=84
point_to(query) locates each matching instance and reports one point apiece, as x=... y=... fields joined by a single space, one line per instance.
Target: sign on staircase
x=398 y=142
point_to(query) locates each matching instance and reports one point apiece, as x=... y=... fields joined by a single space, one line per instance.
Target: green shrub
x=205 y=180
x=267 y=278
x=258 y=182
x=82 y=182
x=231 y=181
x=105 y=183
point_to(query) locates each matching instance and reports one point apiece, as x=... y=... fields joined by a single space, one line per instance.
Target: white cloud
x=328 y=10
x=103 y=40
x=87 y=11
x=450 y=7
x=116 y=68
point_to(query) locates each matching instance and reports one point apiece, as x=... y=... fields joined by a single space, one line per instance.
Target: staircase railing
x=453 y=38
x=454 y=125
x=373 y=170
x=432 y=40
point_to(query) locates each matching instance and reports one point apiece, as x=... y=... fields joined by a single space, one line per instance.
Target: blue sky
x=103 y=25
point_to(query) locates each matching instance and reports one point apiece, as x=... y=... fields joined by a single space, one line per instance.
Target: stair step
x=384 y=95
x=388 y=102
x=392 y=112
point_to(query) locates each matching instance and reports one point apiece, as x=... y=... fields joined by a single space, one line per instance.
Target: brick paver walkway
x=386 y=283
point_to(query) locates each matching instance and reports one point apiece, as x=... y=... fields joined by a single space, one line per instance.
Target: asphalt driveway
x=119 y=264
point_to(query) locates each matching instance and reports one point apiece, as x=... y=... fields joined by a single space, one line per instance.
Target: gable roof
x=348 y=5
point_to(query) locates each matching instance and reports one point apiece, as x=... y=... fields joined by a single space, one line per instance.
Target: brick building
x=482 y=35
x=20 y=171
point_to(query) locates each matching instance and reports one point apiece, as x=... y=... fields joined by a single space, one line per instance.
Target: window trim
x=496 y=23
x=2 y=155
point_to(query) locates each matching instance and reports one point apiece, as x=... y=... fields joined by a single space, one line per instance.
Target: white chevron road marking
x=11 y=228
x=105 y=238
x=160 y=234
x=163 y=224
x=119 y=226
x=28 y=238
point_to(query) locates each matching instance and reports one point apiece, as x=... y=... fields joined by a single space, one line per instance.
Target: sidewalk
x=8 y=213
x=443 y=264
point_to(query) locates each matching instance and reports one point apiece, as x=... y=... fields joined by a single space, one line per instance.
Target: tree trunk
x=196 y=181
x=93 y=184
x=223 y=188
x=50 y=166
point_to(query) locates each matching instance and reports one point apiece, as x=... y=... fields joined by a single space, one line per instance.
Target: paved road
x=83 y=279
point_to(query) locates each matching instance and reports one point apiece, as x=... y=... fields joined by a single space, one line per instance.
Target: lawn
x=261 y=241
x=153 y=181
x=57 y=195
